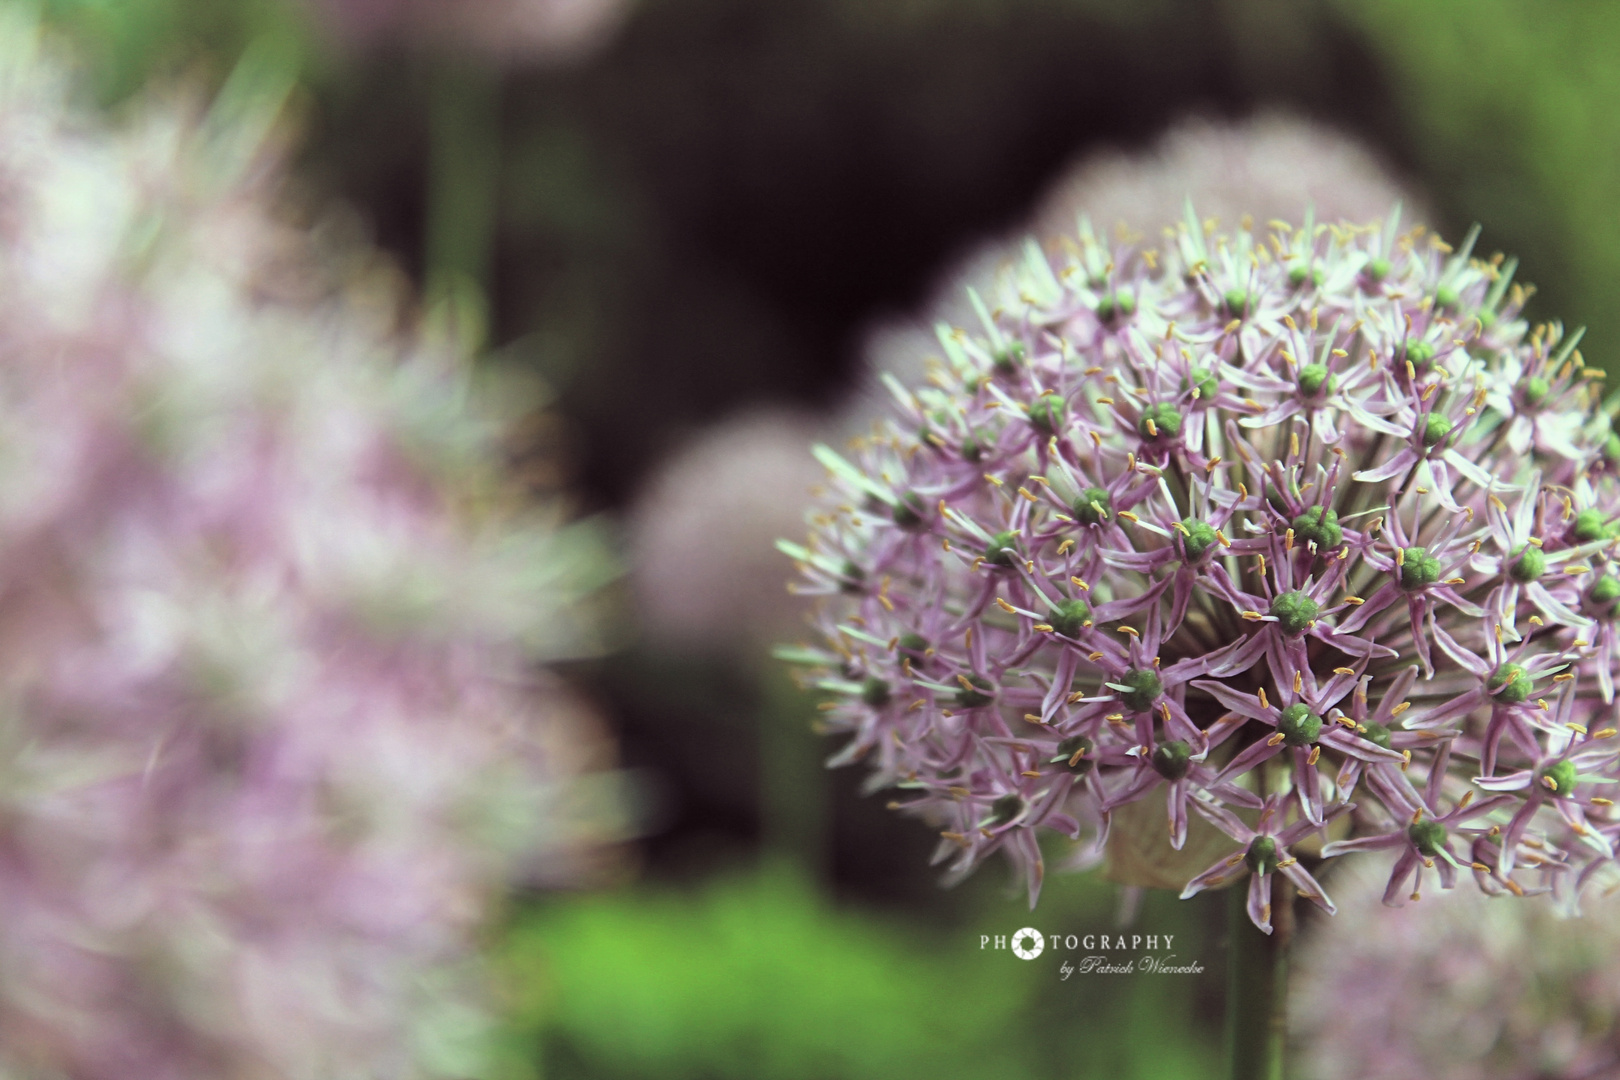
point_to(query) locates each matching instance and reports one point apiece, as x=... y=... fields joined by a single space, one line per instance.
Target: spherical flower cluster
x=1303 y=531
x=270 y=726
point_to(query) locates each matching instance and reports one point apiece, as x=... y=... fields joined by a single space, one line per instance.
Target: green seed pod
x=1533 y=391
x=911 y=512
x=875 y=692
x=1319 y=525
x=1145 y=689
x=1069 y=617
x=1528 y=564
x=983 y=694
x=914 y=644
x=1299 y=726
x=1204 y=381
x=1312 y=377
x=1237 y=302
x=1005 y=809
x=1509 y=684
x=1161 y=421
x=1198 y=539
x=1002 y=550
x=1605 y=592
x=1377 y=734
x=1172 y=759
x=1068 y=748
x=1377 y=269
x=1046 y=413
x=852 y=577
x=1561 y=776
x=1589 y=526
x=1435 y=429
x=1428 y=836
x=1294 y=611
x=1418 y=569
x=1261 y=857
x=1009 y=358
x=1420 y=353
x=1093 y=506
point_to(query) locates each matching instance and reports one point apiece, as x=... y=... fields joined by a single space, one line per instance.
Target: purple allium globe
x=1295 y=530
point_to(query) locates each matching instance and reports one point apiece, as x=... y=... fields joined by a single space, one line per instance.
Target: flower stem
x=1257 y=987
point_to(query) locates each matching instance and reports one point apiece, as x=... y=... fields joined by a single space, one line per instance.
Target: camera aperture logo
x=1106 y=954
x=1028 y=943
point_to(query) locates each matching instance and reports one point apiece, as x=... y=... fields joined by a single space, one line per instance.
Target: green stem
x=1257 y=987
x=463 y=192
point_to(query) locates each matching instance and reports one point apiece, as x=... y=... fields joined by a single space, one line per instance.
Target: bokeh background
x=693 y=219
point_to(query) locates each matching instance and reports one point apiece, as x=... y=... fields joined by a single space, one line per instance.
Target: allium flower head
x=270 y=727
x=1276 y=516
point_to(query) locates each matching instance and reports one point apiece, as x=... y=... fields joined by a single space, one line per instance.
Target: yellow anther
x=1344 y=671
x=1079 y=583
x=1400 y=556
x=1153 y=429
x=993 y=480
x=1128 y=630
x=1045 y=628
x=1316 y=752
x=1253 y=616
x=1025 y=493
x=1261 y=693
x=1299 y=681
x=1402 y=707
x=1354 y=601
x=1275 y=739
x=1128 y=516
x=1063 y=548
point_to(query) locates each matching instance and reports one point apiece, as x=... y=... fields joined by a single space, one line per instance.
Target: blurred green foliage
x=1511 y=110
x=755 y=975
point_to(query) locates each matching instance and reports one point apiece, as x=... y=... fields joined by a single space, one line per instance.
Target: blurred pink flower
x=1468 y=987
x=1271 y=166
x=538 y=29
x=706 y=575
x=271 y=732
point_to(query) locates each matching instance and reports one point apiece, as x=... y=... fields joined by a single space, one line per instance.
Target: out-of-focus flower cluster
x=1468 y=989
x=1274 y=526
x=269 y=723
